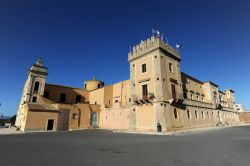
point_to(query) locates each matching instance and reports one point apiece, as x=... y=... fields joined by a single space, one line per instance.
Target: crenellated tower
x=155 y=80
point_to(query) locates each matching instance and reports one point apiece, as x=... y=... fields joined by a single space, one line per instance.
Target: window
x=34 y=99
x=78 y=99
x=173 y=91
x=188 y=114
x=46 y=94
x=170 y=67
x=129 y=100
x=198 y=99
x=62 y=97
x=116 y=101
x=202 y=114
x=85 y=86
x=196 y=115
x=208 y=115
x=202 y=99
x=144 y=68
x=191 y=96
x=99 y=85
x=36 y=87
x=175 y=114
x=145 y=91
x=185 y=95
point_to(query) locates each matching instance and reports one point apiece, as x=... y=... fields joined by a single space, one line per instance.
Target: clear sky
x=79 y=39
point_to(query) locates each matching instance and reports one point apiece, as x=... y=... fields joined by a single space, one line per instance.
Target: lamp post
x=0 y=113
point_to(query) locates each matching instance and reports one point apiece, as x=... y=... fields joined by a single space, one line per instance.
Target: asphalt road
x=229 y=147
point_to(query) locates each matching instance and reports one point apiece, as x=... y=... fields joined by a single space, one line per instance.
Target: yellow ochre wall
x=37 y=121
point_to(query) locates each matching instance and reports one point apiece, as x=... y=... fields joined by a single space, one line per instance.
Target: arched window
x=202 y=114
x=188 y=114
x=208 y=115
x=175 y=114
x=196 y=115
x=36 y=87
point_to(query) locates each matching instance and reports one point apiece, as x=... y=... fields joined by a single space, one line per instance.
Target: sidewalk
x=7 y=131
x=180 y=131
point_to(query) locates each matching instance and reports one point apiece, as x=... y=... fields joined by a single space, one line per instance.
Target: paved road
x=229 y=147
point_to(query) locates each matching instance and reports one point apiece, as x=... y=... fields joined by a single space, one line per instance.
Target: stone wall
x=244 y=117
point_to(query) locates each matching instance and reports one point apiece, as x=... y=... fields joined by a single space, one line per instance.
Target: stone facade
x=157 y=97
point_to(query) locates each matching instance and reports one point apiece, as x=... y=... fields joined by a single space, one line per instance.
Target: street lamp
x=0 y=113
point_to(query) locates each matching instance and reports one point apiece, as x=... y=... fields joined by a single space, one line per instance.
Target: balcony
x=144 y=99
x=197 y=103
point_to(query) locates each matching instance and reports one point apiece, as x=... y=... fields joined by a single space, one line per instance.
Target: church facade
x=157 y=97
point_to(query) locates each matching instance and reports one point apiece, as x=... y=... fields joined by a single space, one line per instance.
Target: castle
x=157 y=97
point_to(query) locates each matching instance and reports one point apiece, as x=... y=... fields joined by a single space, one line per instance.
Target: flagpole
x=167 y=39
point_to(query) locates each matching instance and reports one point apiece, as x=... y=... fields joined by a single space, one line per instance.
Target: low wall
x=244 y=117
x=116 y=118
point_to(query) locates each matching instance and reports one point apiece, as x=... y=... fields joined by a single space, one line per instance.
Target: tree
x=13 y=120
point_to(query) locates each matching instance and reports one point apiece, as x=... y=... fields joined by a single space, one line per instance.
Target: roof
x=42 y=107
x=210 y=82
x=62 y=86
x=192 y=78
x=221 y=92
x=231 y=90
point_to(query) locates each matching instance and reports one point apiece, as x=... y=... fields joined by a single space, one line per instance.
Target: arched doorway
x=94 y=119
x=159 y=128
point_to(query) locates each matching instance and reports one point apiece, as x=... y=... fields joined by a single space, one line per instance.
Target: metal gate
x=94 y=119
x=63 y=120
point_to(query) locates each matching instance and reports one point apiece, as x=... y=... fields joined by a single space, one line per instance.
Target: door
x=94 y=119
x=173 y=91
x=50 y=124
x=63 y=120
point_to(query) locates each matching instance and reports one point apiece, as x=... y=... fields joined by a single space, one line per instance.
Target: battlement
x=150 y=44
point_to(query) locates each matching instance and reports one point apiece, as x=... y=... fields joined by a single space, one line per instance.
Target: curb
x=180 y=132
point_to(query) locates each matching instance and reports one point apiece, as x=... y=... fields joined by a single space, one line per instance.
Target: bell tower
x=35 y=82
x=33 y=87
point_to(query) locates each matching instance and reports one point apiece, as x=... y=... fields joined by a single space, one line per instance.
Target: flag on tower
x=153 y=31
x=178 y=46
x=158 y=33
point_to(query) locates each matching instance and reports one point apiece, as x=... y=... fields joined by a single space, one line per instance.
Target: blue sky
x=81 y=39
